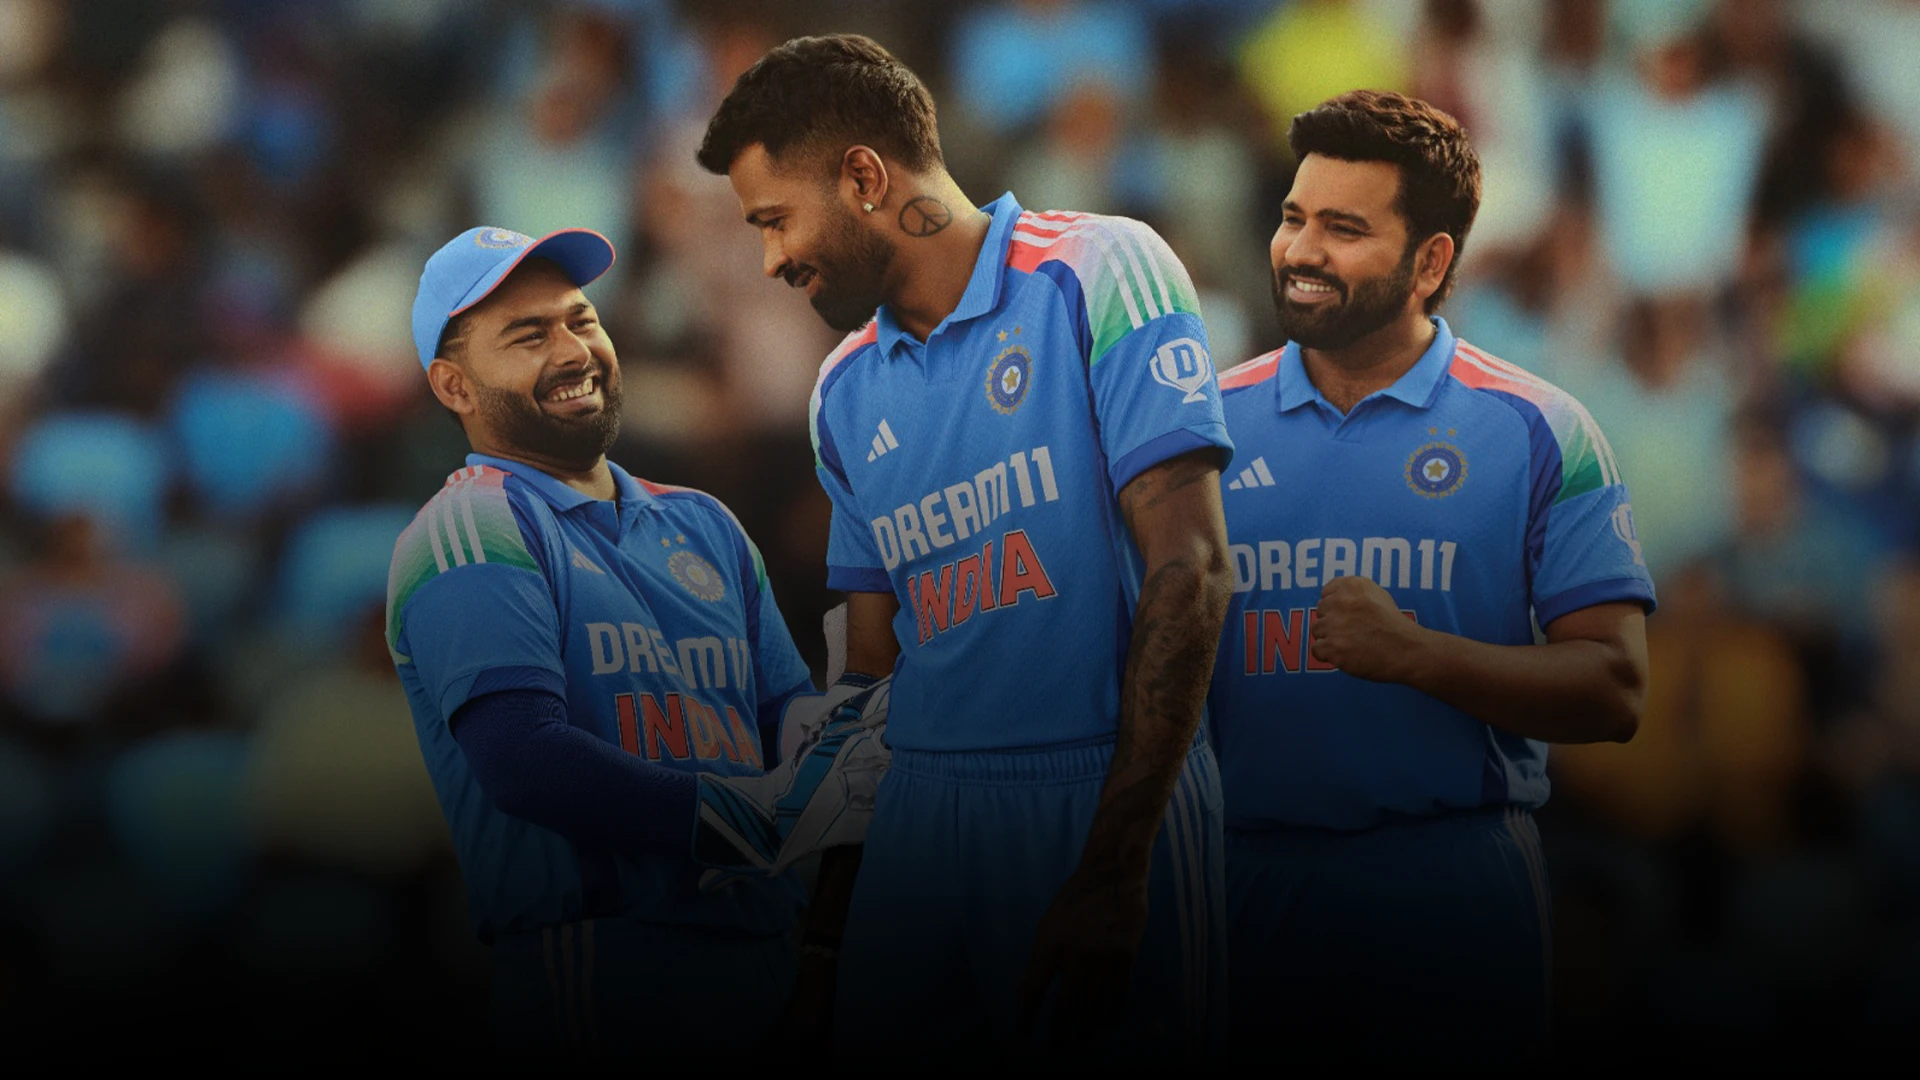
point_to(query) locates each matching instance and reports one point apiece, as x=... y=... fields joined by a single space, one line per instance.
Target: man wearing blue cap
x=599 y=675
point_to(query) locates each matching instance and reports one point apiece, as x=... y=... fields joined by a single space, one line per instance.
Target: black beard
x=522 y=426
x=852 y=267
x=1363 y=308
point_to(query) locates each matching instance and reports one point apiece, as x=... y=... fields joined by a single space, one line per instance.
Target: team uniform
x=651 y=617
x=974 y=477
x=1384 y=874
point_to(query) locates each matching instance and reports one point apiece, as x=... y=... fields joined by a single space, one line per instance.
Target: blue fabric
x=965 y=854
x=992 y=515
x=653 y=620
x=1487 y=551
x=531 y=764
x=1423 y=940
x=636 y=993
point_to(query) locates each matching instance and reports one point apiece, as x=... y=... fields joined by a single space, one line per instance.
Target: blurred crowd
x=1702 y=217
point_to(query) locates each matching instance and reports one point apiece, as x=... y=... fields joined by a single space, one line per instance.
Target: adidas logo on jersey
x=1253 y=476
x=883 y=442
x=581 y=561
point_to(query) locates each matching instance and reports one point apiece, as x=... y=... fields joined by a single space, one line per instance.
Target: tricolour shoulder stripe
x=1586 y=460
x=1253 y=372
x=470 y=521
x=1128 y=275
x=1608 y=463
x=845 y=351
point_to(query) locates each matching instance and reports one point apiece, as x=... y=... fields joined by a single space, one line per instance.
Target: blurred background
x=1702 y=217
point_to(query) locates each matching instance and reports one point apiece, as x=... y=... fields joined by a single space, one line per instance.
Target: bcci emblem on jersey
x=501 y=238
x=1436 y=469
x=1184 y=365
x=697 y=576
x=1007 y=379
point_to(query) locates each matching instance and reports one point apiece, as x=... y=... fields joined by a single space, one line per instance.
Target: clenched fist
x=1361 y=631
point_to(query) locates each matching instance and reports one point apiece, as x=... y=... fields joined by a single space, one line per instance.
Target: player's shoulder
x=1555 y=421
x=1089 y=244
x=1255 y=372
x=469 y=522
x=843 y=358
x=1117 y=269
x=692 y=506
x=1484 y=376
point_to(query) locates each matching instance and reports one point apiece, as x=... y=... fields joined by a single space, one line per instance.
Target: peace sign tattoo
x=924 y=215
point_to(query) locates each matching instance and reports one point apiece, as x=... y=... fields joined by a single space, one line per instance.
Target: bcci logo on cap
x=1184 y=365
x=501 y=238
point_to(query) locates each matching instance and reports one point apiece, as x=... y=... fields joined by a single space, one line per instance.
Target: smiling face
x=810 y=239
x=532 y=373
x=1343 y=266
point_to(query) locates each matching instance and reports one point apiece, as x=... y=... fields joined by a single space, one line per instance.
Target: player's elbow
x=1627 y=701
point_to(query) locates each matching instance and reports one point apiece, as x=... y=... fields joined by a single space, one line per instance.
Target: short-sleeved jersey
x=1485 y=500
x=650 y=615
x=975 y=475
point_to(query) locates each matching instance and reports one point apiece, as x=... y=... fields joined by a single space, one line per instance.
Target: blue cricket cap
x=473 y=264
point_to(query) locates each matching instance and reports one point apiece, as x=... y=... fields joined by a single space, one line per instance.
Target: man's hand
x=1360 y=630
x=1087 y=940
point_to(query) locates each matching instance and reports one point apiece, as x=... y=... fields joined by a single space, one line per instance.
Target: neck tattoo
x=924 y=215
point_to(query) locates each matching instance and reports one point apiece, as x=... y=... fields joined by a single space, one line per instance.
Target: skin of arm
x=1089 y=935
x=1587 y=683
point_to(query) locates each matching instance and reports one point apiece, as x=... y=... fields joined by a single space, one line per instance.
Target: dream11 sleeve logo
x=1624 y=529
x=1184 y=365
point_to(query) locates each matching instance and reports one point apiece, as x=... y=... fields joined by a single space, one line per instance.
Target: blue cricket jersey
x=974 y=476
x=651 y=617
x=1483 y=498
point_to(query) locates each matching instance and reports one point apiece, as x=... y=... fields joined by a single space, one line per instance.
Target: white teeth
x=582 y=390
x=1311 y=286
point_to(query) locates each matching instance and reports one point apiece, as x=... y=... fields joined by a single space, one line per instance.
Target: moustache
x=799 y=276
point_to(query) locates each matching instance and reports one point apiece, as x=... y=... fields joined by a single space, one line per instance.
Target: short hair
x=825 y=94
x=1439 y=172
x=452 y=334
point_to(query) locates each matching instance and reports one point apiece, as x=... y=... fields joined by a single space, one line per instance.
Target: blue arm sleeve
x=533 y=765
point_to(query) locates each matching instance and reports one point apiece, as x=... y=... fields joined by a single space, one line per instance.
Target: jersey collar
x=983 y=288
x=1417 y=387
x=557 y=494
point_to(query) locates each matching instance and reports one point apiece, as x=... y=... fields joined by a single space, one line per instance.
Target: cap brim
x=582 y=253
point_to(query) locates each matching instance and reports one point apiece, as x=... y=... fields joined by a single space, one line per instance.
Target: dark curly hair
x=1439 y=173
x=824 y=94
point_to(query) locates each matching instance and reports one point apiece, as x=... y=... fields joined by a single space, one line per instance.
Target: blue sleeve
x=853 y=559
x=530 y=763
x=1588 y=553
x=1155 y=394
x=478 y=617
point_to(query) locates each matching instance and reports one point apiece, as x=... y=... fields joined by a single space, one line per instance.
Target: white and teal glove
x=820 y=796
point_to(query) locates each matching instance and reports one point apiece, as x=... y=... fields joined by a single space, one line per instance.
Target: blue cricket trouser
x=964 y=856
x=622 y=990
x=1424 y=941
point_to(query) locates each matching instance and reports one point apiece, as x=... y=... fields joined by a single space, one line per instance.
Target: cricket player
x=597 y=670
x=1021 y=439
x=1404 y=511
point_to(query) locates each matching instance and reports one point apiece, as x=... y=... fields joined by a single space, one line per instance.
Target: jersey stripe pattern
x=1586 y=461
x=468 y=521
x=1127 y=274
